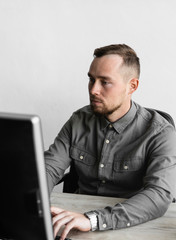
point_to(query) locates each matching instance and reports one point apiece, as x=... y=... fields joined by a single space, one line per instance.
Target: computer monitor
x=24 y=201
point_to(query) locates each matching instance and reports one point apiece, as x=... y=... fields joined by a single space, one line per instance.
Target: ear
x=133 y=85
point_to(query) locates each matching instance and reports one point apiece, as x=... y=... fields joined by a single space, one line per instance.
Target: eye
x=91 y=80
x=105 y=83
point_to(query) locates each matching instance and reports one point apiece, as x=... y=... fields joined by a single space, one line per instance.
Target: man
x=119 y=149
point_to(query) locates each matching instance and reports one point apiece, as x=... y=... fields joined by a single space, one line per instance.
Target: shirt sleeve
x=57 y=158
x=159 y=187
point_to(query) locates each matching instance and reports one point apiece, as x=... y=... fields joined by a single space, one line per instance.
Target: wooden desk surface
x=163 y=228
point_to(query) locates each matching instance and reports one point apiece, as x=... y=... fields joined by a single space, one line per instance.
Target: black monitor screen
x=23 y=209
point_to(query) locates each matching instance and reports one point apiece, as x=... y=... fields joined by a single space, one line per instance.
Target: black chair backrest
x=163 y=114
x=70 y=180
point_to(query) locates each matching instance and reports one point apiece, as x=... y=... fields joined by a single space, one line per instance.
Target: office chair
x=163 y=114
x=70 y=179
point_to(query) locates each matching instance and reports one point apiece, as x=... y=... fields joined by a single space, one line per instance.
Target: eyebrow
x=101 y=77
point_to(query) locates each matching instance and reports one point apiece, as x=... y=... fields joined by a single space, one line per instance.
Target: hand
x=71 y=220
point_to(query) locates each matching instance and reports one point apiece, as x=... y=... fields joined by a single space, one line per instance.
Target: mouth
x=96 y=103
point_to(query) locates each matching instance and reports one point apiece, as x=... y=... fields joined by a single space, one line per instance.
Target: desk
x=163 y=228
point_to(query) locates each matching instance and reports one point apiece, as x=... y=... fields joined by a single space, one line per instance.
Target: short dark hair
x=129 y=56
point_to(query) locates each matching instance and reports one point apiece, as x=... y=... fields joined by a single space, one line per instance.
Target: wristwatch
x=92 y=216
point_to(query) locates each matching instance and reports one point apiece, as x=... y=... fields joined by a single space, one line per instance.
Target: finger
x=67 y=229
x=61 y=223
x=56 y=210
x=59 y=216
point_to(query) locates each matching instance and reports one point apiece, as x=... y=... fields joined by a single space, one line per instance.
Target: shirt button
x=107 y=141
x=125 y=167
x=128 y=224
x=103 y=181
x=81 y=157
x=104 y=225
x=110 y=126
x=102 y=165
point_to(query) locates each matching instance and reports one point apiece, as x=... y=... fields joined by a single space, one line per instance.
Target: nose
x=94 y=88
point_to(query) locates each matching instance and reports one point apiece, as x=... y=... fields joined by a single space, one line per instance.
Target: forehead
x=107 y=64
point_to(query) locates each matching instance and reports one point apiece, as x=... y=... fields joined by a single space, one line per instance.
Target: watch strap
x=92 y=216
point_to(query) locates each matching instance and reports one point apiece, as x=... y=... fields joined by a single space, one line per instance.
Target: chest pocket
x=84 y=164
x=82 y=157
x=129 y=165
x=128 y=174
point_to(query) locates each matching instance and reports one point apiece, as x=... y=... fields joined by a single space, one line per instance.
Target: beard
x=104 y=110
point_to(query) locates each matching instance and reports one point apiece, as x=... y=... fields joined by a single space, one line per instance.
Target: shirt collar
x=121 y=123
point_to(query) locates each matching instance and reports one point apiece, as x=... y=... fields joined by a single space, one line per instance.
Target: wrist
x=92 y=216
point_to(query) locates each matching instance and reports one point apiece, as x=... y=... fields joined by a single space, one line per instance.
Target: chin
x=98 y=112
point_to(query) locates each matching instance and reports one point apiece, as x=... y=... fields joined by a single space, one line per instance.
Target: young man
x=119 y=149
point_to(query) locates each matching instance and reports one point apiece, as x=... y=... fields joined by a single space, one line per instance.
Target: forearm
x=141 y=208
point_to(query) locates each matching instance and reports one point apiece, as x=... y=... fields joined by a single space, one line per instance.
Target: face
x=108 y=90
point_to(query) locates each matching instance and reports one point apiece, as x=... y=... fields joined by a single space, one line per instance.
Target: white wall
x=46 y=47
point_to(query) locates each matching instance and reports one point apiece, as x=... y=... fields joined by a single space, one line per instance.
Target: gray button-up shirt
x=133 y=158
